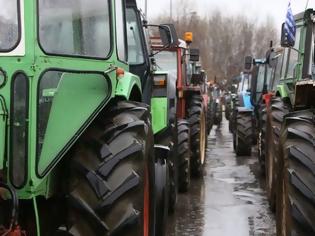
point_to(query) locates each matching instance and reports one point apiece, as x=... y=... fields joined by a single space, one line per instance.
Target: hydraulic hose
x=15 y=204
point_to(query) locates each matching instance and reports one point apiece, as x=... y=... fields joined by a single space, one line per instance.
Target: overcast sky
x=253 y=8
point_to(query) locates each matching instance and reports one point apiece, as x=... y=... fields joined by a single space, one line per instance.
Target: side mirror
x=286 y=40
x=168 y=35
x=233 y=89
x=248 y=63
x=194 y=54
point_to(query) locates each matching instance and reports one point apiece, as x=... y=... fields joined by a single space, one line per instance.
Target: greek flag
x=290 y=26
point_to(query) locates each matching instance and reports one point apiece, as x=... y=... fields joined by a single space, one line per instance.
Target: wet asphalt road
x=229 y=200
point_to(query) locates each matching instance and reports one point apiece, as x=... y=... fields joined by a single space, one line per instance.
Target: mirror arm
x=161 y=50
x=297 y=50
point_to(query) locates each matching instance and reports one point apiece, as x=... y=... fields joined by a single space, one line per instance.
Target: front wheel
x=183 y=156
x=197 y=121
x=242 y=137
x=109 y=183
x=262 y=136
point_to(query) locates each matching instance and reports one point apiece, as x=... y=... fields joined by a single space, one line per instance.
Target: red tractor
x=192 y=102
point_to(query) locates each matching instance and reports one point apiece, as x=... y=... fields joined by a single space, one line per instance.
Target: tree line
x=224 y=40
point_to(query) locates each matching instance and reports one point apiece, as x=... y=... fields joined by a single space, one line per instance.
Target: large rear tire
x=243 y=134
x=210 y=117
x=109 y=174
x=218 y=114
x=161 y=193
x=233 y=117
x=262 y=137
x=168 y=138
x=227 y=109
x=275 y=116
x=183 y=155
x=296 y=191
x=197 y=121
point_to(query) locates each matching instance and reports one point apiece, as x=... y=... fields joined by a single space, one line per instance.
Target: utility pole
x=146 y=9
x=171 y=10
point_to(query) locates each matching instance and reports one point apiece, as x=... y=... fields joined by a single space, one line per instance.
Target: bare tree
x=223 y=40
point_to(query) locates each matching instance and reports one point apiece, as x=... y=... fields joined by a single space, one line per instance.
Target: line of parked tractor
x=271 y=104
x=104 y=119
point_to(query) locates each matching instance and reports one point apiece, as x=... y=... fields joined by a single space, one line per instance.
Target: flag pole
x=307 y=4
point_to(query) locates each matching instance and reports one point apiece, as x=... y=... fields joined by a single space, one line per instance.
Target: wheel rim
x=202 y=138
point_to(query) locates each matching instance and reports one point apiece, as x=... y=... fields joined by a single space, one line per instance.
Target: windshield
x=216 y=92
x=246 y=82
x=9 y=25
x=135 y=50
x=270 y=75
x=167 y=61
x=294 y=55
x=260 y=78
x=75 y=27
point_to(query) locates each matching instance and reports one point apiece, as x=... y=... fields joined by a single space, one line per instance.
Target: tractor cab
x=264 y=73
x=244 y=90
x=141 y=58
x=297 y=77
x=64 y=82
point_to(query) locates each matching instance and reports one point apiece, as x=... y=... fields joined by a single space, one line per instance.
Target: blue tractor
x=243 y=116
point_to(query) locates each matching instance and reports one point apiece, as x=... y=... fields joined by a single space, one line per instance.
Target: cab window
x=294 y=55
x=120 y=31
x=75 y=28
x=135 y=50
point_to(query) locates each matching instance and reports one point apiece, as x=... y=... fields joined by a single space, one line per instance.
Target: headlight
x=159 y=80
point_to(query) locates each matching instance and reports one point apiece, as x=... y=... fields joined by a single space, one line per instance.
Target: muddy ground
x=229 y=200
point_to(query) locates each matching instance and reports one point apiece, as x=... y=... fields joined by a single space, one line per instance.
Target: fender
x=163 y=102
x=281 y=91
x=125 y=85
x=244 y=110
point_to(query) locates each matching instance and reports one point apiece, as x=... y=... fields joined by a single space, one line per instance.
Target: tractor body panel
x=53 y=90
x=159 y=107
x=245 y=100
x=81 y=95
x=126 y=84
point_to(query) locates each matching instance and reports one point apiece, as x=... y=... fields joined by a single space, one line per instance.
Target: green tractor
x=262 y=89
x=291 y=132
x=77 y=151
x=159 y=89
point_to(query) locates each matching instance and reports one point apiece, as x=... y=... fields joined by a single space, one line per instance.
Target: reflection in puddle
x=228 y=200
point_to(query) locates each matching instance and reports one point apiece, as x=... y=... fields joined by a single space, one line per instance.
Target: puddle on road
x=228 y=200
